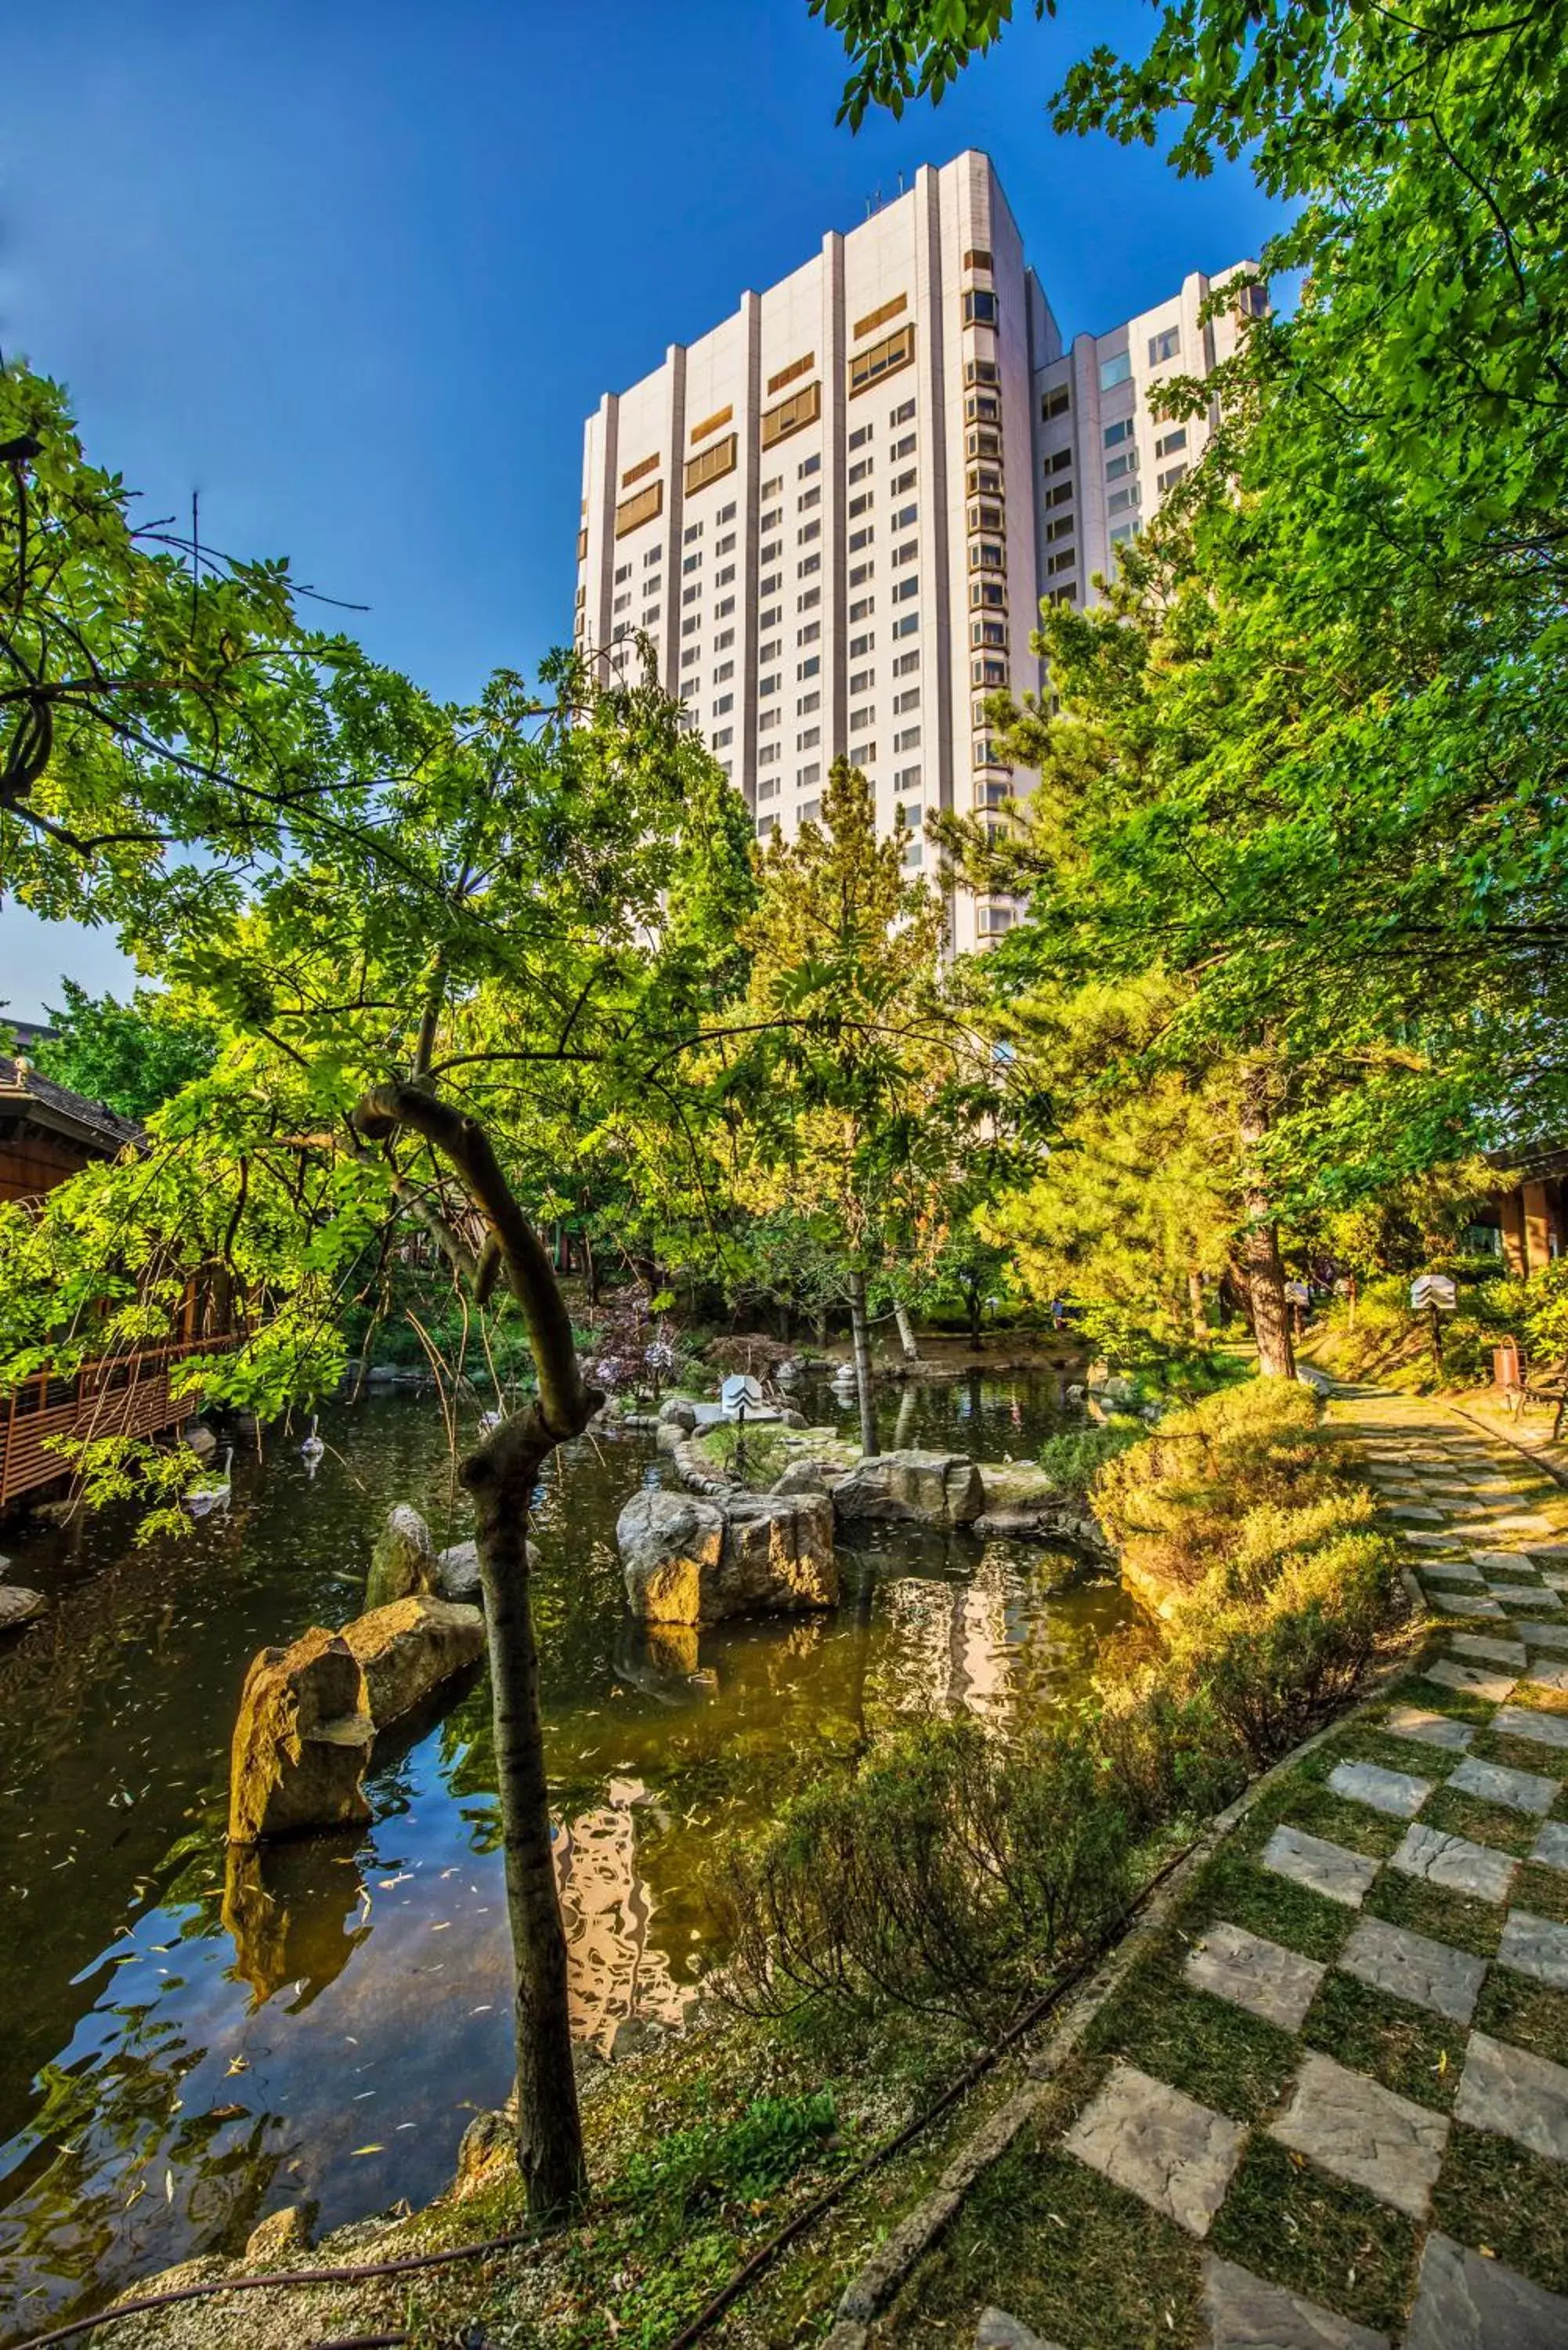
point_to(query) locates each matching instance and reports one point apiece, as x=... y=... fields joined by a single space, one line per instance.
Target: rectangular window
x=633 y=513
x=904 y=414
x=809 y=568
x=859 y=538
x=981 y=441
x=1114 y=434
x=881 y=359
x=977 y=259
x=769 y=619
x=905 y=518
x=769 y=790
x=791 y=374
x=724 y=607
x=770 y=586
x=768 y=756
x=792 y=415
x=812 y=668
x=649 y=614
x=726 y=701
x=1115 y=370
x=906 y=588
x=805 y=776
x=1126 y=463
x=1061 y=495
x=1054 y=403
x=768 y=685
x=1062 y=528
x=1068 y=595
x=636 y=473
x=906 y=663
x=862 y=680
x=987 y=591
x=1060 y=461
x=903 y=448
x=861 y=609
x=906 y=553
x=690 y=628
x=1169 y=478
x=725 y=671
x=724 y=576
x=861 y=754
x=859 y=437
x=860 y=646
x=1123 y=531
x=1169 y=443
x=771 y=489
x=982 y=408
x=623 y=572
x=859 y=472
x=770 y=520
x=622 y=603
x=691 y=595
x=988 y=672
x=766 y=827
x=726 y=545
x=978 y=306
x=807 y=532
x=771 y=552
x=985 y=515
x=808 y=739
x=810 y=635
x=1166 y=345
x=692 y=562
x=859 y=718
x=988 y=632
x=874 y=319
x=909 y=700
x=981 y=371
x=807 y=704
x=859 y=505
x=809 y=498
x=1120 y=500
x=860 y=572
x=809 y=601
x=905 y=481
x=908 y=779
x=908 y=626
x=1064 y=561
x=693 y=530
x=909 y=740
x=987 y=555
x=810 y=810
x=723 y=738
x=723 y=642
x=770 y=652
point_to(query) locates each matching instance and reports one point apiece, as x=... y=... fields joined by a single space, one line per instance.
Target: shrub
x=1075 y=1456
x=765 y=1455
x=692 y=2170
x=1171 y=1503
x=952 y=1874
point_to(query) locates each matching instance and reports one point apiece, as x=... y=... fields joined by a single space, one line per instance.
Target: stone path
x=1449 y=1902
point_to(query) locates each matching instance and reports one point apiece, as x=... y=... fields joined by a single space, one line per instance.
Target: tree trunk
x=907 y=1341
x=501 y=1477
x=906 y=1427
x=976 y=1328
x=590 y=1269
x=1258 y=1249
x=861 y=1337
x=1196 y=1306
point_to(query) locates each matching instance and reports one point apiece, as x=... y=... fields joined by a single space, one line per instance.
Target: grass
x=1236 y=1888
x=1543 y=1892
x=1289 y=2222
x=1457 y=1813
x=1528 y=2014
x=1216 y=2052
x=1412 y=2051
x=1505 y=2202
x=1442 y=1917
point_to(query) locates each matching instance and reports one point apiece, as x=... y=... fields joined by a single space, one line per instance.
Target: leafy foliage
x=134 y=1056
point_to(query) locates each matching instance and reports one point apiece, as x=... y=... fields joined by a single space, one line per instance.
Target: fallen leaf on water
x=239 y=2065
x=369 y=2149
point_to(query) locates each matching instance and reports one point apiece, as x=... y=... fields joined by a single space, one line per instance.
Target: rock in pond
x=301 y=1742
x=18 y=1605
x=403 y=1560
x=408 y=1649
x=1014 y=1488
x=457 y=1573
x=932 y=1489
x=693 y=1562
x=678 y=1412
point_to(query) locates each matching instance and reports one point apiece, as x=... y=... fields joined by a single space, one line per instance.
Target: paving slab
x=1495 y=1687
x=1321 y=1867
x=1500 y=1561
x=1398 y=1792
x=1425 y=1540
x=1524 y=1722
x=1483 y=1649
x=1524 y=1522
x=1551 y=1847
x=1459 y=1599
x=1246 y=2313
x=1430 y=1729
x=1263 y=1977
x=1416 y=1514
x=1517 y=1595
x=1466 y=2303
x=1453 y=1570
x=1553 y=1677
x=1413 y=1967
x=1516 y=2093
x=1363 y=2133
x=1541 y=1634
x=1174 y=2154
x=1519 y=1791
x=1534 y=1946
x=1454 y=1862
x=998 y=2331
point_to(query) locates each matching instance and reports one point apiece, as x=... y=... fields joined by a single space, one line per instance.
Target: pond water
x=188 y=2043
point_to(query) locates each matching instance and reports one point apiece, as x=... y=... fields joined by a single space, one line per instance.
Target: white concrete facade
x=836 y=514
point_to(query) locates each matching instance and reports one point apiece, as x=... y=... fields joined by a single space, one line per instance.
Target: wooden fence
x=123 y=1395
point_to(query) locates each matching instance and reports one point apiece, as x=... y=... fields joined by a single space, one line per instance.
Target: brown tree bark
x=908 y=1344
x=1258 y=1247
x=501 y=1475
x=861 y=1335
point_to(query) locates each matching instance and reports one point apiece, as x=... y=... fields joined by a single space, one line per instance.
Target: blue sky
x=357 y=272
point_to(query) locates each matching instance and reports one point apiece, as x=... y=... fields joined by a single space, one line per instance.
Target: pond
x=189 y=2043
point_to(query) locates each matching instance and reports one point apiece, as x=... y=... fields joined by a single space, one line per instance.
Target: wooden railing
x=122 y=1394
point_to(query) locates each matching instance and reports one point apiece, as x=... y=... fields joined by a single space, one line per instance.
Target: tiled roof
x=25 y=1094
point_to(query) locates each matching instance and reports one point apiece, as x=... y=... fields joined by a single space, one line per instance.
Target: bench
x=1550 y=1387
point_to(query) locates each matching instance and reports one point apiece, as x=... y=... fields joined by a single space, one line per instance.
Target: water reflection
x=195 y=2038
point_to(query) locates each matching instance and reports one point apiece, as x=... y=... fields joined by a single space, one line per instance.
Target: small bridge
x=121 y=1395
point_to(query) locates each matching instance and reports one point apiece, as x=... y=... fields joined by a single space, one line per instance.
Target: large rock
x=457 y=1574
x=931 y=1489
x=693 y=1562
x=403 y=1560
x=1014 y=1488
x=678 y=1412
x=18 y=1605
x=407 y=1649
x=778 y=1554
x=801 y=1477
x=669 y=1544
x=301 y=1742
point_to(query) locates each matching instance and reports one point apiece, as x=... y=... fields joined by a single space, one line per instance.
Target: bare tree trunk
x=976 y=1327
x=1258 y=1249
x=906 y=1427
x=1196 y=1306
x=502 y=1476
x=906 y=1342
x=861 y=1337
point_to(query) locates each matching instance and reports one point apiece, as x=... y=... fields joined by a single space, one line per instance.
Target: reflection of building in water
x=950 y=1648
x=614 y=1971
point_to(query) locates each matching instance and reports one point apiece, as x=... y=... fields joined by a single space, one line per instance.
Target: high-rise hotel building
x=836 y=514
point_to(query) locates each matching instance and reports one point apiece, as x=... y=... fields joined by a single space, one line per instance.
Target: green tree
x=132 y=1055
